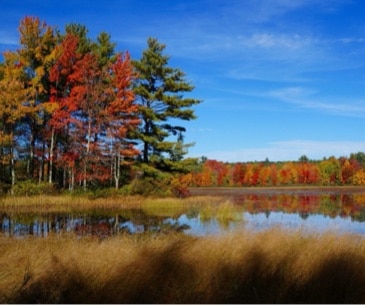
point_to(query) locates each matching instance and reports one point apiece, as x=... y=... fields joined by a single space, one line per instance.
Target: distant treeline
x=329 y=171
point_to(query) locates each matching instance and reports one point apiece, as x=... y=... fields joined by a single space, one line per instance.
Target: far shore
x=274 y=190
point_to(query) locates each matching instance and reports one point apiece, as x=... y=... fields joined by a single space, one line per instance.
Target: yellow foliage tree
x=12 y=96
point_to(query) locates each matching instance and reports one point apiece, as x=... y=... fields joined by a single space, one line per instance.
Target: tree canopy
x=159 y=90
x=73 y=111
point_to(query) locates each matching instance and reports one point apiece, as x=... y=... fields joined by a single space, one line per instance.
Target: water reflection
x=332 y=205
x=318 y=212
x=101 y=226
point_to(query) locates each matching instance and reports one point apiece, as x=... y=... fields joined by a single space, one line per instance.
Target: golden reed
x=273 y=266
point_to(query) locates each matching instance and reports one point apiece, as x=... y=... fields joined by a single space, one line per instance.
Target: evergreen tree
x=159 y=90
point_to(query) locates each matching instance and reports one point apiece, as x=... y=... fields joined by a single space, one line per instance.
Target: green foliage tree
x=84 y=45
x=303 y=159
x=330 y=171
x=359 y=157
x=159 y=90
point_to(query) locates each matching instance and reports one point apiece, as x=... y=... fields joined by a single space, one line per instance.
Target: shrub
x=29 y=188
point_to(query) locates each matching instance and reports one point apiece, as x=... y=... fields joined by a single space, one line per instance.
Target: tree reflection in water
x=253 y=210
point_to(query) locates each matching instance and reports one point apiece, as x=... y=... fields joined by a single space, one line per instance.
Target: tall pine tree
x=159 y=90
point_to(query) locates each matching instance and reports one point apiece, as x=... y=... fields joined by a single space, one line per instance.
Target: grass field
x=241 y=267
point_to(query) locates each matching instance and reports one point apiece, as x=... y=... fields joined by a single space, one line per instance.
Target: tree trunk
x=31 y=156
x=145 y=143
x=72 y=179
x=41 y=164
x=117 y=170
x=50 y=170
x=12 y=170
x=87 y=154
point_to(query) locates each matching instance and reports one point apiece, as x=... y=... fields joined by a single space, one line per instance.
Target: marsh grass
x=26 y=207
x=224 y=212
x=67 y=203
x=273 y=266
x=64 y=203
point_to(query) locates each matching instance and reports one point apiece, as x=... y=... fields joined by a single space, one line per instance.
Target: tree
x=95 y=111
x=37 y=42
x=159 y=90
x=61 y=121
x=122 y=113
x=359 y=157
x=84 y=44
x=303 y=159
x=330 y=171
x=12 y=96
x=238 y=174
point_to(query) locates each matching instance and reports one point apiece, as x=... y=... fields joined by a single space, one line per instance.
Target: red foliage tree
x=122 y=114
x=93 y=113
x=238 y=174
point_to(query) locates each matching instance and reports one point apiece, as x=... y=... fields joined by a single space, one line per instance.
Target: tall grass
x=274 y=266
x=66 y=203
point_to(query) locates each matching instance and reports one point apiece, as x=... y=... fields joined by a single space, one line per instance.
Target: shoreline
x=274 y=190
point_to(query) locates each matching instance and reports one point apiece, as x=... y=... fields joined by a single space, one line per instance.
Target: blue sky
x=278 y=78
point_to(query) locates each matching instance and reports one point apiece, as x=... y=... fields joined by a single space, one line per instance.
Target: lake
x=313 y=210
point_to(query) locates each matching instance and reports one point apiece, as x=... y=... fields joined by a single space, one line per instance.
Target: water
x=312 y=212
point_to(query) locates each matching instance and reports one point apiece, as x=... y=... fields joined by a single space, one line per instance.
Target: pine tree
x=159 y=90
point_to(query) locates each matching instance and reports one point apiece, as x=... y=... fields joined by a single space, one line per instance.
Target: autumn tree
x=330 y=171
x=61 y=120
x=37 y=42
x=94 y=108
x=238 y=174
x=122 y=115
x=12 y=97
x=159 y=90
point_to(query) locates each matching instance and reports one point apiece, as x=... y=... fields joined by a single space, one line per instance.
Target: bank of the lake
x=295 y=189
x=274 y=265
x=208 y=211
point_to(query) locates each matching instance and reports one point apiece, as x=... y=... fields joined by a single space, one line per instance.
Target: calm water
x=314 y=212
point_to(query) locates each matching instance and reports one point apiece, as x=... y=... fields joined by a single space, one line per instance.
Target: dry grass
x=241 y=267
x=67 y=203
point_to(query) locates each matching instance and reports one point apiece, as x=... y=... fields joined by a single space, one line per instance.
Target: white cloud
x=307 y=98
x=7 y=38
x=261 y=11
x=290 y=151
x=274 y=40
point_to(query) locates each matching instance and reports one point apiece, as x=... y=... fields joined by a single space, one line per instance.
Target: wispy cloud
x=290 y=150
x=308 y=98
x=273 y=40
x=264 y=11
x=8 y=38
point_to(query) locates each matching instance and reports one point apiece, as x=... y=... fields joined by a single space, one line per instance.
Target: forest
x=77 y=115
x=329 y=171
x=74 y=113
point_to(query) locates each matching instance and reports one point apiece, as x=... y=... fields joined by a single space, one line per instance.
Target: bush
x=152 y=182
x=148 y=186
x=4 y=189
x=29 y=188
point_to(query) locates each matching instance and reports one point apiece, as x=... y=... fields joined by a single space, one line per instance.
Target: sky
x=278 y=79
